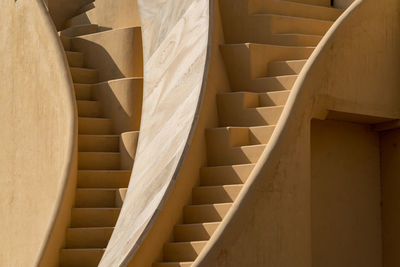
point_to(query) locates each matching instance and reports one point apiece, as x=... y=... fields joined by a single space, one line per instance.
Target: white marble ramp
x=175 y=40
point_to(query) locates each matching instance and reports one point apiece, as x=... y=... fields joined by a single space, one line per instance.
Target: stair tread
x=294 y=17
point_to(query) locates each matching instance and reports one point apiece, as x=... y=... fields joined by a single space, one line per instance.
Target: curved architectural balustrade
x=38 y=136
x=175 y=42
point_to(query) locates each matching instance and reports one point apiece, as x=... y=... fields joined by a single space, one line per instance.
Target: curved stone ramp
x=175 y=39
x=38 y=140
x=106 y=67
x=279 y=37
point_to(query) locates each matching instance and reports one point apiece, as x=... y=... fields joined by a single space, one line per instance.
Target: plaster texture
x=38 y=140
x=344 y=74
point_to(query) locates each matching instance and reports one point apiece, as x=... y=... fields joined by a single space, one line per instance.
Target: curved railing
x=269 y=223
x=38 y=138
x=175 y=43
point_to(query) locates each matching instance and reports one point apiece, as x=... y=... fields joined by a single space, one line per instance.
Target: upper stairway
x=267 y=44
x=106 y=152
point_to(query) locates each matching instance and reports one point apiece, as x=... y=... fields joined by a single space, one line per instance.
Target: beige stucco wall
x=355 y=70
x=345 y=195
x=38 y=130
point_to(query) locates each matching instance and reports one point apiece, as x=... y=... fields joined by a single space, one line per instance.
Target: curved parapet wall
x=175 y=44
x=38 y=130
x=354 y=70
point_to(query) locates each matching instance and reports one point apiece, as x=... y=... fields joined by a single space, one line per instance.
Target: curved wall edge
x=176 y=47
x=39 y=119
x=277 y=193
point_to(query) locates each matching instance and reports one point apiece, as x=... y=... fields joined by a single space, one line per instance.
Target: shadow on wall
x=98 y=58
x=61 y=10
x=120 y=87
x=114 y=54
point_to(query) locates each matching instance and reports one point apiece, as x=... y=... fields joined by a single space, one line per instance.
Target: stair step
x=273 y=84
x=228 y=137
x=66 y=42
x=289 y=67
x=325 y=3
x=205 y=213
x=103 y=178
x=83 y=91
x=94 y=237
x=79 y=30
x=75 y=59
x=86 y=7
x=253 y=58
x=249 y=117
x=85 y=17
x=94 y=217
x=95 y=198
x=233 y=156
x=215 y=194
x=288 y=24
x=183 y=251
x=98 y=161
x=94 y=126
x=221 y=175
x=277 y=98
x=251 y=100
x=295 y=9
x=247 y=66
x=194 y=232
x=260 y=134
x=172 y=264
x=82 y=257
x=84 y=75
x=88 y=108
x=296 y=39
x=98 y=143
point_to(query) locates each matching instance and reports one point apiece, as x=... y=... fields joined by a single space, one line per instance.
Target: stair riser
x=298 y=25
x=94 y=217
x=194 y=232
x=250 y=117
x=288 y=8
x=83 y=91
x=103 y=179
x=85 y=76
x=80 y=258
x=75 y=59
x=98 y=161
x=225 y=175
x=79 y=30
x=87 y=17
x=182 y=251
x=89 y=109
x=281 y=68
x=94 y=126
x=95 y=198
x=88 y=237
x=203 y=214
x=98 y=143
x=239 y=155
x=204 y=195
